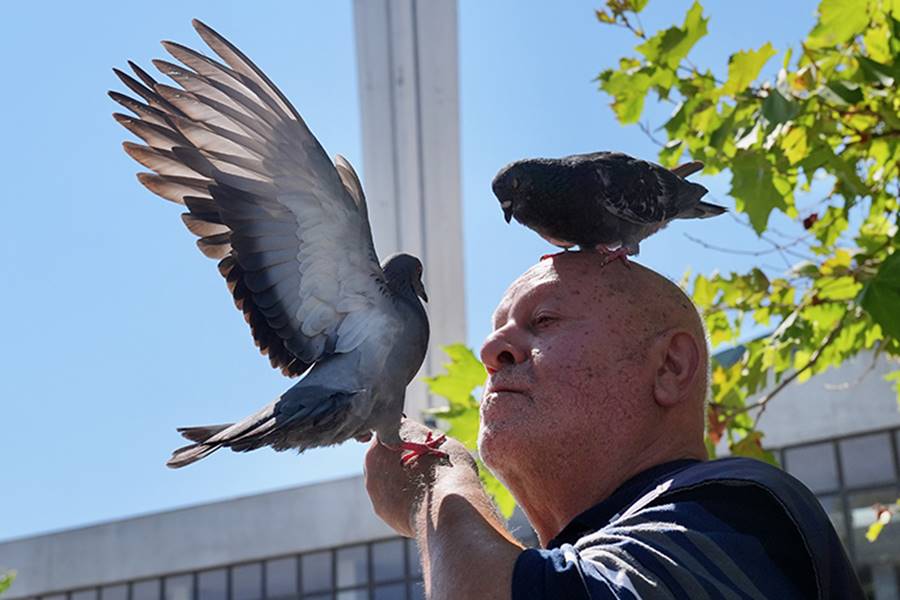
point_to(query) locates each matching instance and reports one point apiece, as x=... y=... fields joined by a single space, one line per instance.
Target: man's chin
x=498 y=441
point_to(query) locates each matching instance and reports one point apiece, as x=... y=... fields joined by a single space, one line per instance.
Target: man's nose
x=499 y=350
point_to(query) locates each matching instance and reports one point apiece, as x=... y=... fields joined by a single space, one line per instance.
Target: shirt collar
x=600 y=514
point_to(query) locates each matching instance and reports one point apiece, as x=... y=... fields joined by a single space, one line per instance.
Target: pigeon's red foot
x=430 y=446
x=620 y=253
x=546 y=256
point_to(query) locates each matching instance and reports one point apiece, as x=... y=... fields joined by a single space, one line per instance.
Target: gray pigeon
x=292 y=236
x=599 y=201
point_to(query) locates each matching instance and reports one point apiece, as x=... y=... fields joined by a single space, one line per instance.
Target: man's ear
x=677 y=358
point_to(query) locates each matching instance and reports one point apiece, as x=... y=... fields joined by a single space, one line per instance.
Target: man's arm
x=466 y=551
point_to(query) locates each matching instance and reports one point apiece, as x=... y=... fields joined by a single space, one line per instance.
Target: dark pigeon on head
x=604 y=201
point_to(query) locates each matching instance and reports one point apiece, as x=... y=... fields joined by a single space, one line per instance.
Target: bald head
x=645 y=303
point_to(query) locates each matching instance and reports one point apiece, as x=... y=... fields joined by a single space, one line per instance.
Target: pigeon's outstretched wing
x=289 y=228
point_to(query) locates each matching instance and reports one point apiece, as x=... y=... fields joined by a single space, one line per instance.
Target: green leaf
x=637 y=5
x=842 y=93
x=794 y=144
x=502 y=498
x=628 y=89
x=894 y=378
x=464 y=373
x=744 y=68
x=6 y=580
x=778 y=109
x=605 y=17
x=875 y=72
x=882 y=518
x=753 y=188
x=837 y=288
x=751 y=446
x=881 y=297
x=670 y=46
x=839 y=20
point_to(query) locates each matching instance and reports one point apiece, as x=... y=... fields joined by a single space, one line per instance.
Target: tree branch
x=761 y=404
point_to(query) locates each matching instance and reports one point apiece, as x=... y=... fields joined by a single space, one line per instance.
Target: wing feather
x=289 y=227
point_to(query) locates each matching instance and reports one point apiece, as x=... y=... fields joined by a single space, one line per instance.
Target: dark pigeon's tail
x=703 y=210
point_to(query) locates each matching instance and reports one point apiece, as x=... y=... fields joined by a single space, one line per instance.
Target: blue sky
x=117 y=330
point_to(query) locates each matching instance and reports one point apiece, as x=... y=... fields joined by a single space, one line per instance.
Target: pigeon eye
x=515 y=183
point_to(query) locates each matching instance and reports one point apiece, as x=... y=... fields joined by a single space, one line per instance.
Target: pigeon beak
x=506 y=205
x=420 y=290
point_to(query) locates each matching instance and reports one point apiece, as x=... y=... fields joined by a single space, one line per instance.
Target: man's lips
x=497 y=389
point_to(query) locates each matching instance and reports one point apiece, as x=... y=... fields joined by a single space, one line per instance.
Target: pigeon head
x=520 y=183
x=403 y=273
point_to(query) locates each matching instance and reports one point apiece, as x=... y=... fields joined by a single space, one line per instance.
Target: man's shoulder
x=736 y=471
x=734 y=476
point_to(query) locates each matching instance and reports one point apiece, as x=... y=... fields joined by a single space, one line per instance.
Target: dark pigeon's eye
x=515 y=183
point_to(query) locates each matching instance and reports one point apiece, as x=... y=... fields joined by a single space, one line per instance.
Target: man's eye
x=541 y=320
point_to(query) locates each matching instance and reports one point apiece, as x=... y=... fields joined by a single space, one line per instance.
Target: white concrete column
x=407 y=64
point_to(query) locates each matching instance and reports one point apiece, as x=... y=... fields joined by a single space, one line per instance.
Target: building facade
x=839 y=433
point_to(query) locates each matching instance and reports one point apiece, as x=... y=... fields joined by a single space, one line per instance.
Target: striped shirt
x=731 y=528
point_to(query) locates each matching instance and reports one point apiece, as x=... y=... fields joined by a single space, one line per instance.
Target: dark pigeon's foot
x=620 y=253
x=430 y=446
x=546 y=256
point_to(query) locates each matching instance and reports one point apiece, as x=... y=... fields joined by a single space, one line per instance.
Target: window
x=148 y=589
x=281 y=578
x=316 y=572
x=246 y=582
x=416 y=591
x=178 y=587
x=867 y=460
x=114 y=592
x=413 y=562
x=84 y=595
x=387 y=560
x=394 y=591
x=834 y=506
x=813 y=465
x=352 y=566
x=862 y=514
x=212 y=585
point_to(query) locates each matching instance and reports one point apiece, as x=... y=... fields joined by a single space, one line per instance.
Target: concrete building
x=839 y=433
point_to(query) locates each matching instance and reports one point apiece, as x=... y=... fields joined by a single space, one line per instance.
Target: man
x=593 y=417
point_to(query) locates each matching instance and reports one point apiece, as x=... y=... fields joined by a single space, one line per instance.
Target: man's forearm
x=466 y=551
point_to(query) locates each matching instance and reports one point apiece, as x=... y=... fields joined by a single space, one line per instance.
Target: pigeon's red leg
x=620 y=253
x=546 y=256
x=414 y=450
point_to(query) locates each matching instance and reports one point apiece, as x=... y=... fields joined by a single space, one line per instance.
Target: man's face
x=561 y=363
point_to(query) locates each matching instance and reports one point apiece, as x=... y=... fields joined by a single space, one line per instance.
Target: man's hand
x=397 y=490
x=441 y=503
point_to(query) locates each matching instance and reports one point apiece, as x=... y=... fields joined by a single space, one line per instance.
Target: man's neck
x=552 y=497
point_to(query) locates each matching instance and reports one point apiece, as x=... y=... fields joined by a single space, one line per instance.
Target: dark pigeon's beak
x=506 y=205
x=420 y=290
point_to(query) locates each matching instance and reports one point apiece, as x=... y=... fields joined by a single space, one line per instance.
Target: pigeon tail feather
x=190 y=453
x=201 y=434
x=704 y=210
